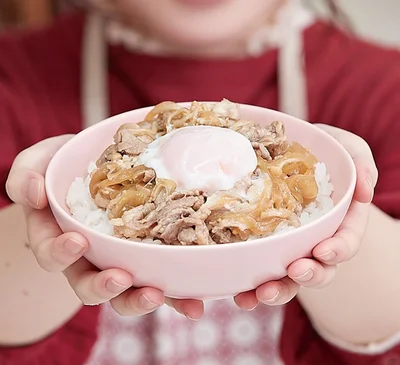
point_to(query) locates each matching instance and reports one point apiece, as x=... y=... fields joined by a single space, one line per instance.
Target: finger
x=346 y=242
x=190 y=308
x=25 y=183
x=277 y=292
x=359 y=150
x=54 y=251
x=93 y=287
x=247 y=301
x=311 y=273
x=365 y=185
x=137 y=302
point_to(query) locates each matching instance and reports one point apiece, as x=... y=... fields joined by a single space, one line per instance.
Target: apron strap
x=94 y=85
x=292 y=84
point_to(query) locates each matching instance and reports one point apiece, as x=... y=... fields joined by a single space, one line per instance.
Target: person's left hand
x=320 y=270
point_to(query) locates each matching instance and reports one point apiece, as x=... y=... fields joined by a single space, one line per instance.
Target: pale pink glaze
x=203 y=272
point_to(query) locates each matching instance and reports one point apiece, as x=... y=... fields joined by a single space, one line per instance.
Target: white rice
x=322 y=204
x=84 y=210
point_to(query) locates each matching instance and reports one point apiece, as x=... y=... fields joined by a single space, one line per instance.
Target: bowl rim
x=237 y=245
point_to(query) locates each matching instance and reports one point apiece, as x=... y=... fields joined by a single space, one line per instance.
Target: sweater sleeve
x=364 y=99
x=71 y=344
x=301 y=344
x=39 y=88
x=9 y=145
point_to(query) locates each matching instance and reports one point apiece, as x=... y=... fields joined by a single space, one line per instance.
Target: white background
x=377 y=20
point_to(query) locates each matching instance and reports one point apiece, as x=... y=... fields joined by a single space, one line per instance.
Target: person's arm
x=360 y=308
x=355 y=320
x=33 y=302
x=57 y=252
x=362 y=304
x=51 y=302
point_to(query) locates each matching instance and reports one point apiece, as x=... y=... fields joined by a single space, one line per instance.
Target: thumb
x=25 y=183
x=360 y=152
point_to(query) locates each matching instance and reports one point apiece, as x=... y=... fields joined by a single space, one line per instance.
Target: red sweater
x=351 y=84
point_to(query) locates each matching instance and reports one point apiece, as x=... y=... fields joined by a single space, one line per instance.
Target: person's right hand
x=56 y=251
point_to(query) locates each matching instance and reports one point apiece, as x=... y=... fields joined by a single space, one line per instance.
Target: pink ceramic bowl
x=202 y=272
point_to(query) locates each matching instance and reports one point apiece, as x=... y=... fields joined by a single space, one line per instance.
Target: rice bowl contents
x=200 y=175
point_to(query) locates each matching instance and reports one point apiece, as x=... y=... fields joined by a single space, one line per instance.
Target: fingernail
x=271 y=299
x=306 y=276
x=113 y=287
x=73 y=247
x=371 y=189
x=146 y=303
x=191 y=318
x=327 y=256
x=251 y=309
x=33 y=192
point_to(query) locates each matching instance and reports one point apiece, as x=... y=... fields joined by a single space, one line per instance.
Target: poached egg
x=202 y=158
